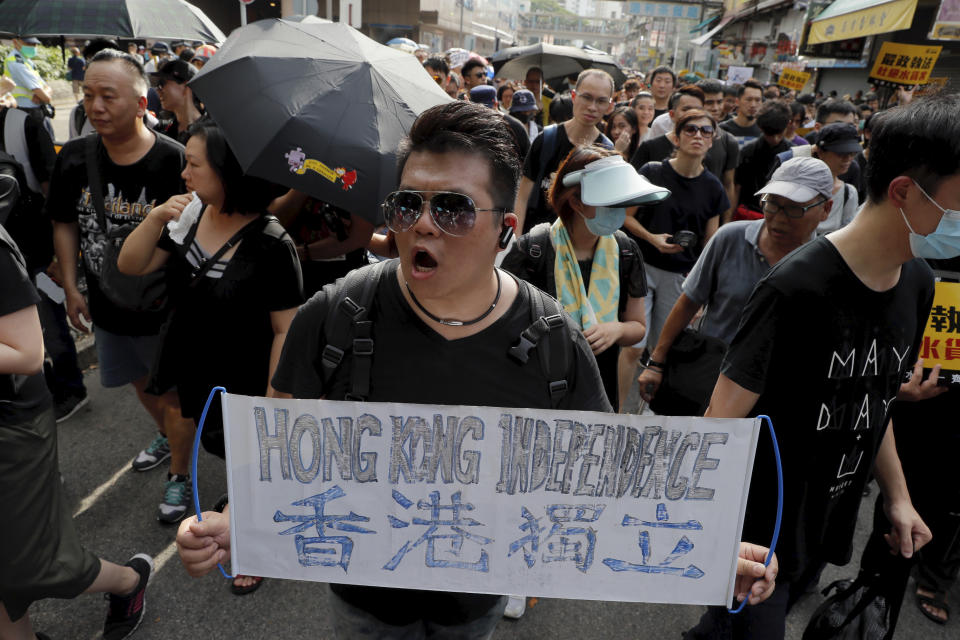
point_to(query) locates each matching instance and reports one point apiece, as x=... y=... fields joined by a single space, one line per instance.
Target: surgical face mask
x=606 y=220
x=944 y=241
x=28 y=51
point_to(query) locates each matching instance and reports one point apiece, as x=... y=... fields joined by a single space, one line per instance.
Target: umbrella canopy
x=404 y=41
x=155 y=19
x=317 y=107
x=557 y=61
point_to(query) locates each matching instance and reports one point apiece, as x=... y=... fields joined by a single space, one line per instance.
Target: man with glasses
x=592 y=100
x=795 y=201
x=436 y=65
x=474 y=74
x=444 y=311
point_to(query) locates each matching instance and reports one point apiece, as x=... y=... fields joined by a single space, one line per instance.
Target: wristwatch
x=653 y=363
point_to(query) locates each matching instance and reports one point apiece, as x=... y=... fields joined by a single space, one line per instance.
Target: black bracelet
x=653 y=363
x=221 y=504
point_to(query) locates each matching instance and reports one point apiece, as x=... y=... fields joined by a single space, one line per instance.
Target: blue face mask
x=606 y=220
x=944 y=241
x=28 y=51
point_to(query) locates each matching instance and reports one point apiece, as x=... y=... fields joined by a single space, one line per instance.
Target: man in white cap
x=795 y=201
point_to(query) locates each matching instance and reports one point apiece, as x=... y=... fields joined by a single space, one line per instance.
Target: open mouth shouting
x=424 y=263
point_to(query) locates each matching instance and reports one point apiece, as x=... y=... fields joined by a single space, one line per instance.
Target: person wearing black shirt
x=758 y=159
x=744 y=125
x=138 y=170
x=177 y=98
x=592 y=100
x=823 y=345
x=695 y=207
x=662 y=81
x=432 y=312
x=41 y=554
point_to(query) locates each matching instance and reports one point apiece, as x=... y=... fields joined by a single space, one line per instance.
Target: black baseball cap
x=179 y=70
x=160 y=47
x=839 y=137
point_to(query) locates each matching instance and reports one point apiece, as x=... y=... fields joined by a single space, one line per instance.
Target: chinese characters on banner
x=793 y=79
x=941 y=338
x=480 y=499
x=904 y=64
x=946 y=25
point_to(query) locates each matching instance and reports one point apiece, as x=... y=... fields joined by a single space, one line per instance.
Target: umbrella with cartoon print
x=317 y=107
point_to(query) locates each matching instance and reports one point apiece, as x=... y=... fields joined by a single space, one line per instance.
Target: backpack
x=348 y=331
x=540 y=256
x=550 y=136
x=26 y=224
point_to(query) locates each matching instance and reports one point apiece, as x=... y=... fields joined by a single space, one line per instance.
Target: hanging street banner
x=793 y=79
x=845 y=19
x=557 y=504
x=941 y=338
x=904 y=64
x=946 y=25
x=679 y=10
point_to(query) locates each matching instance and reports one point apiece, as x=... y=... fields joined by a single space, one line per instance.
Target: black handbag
x=866 y=608
x=135 y=293
x=691 y=372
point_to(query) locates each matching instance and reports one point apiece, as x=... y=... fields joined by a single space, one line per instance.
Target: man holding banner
x=445 y=321
x=823 y=345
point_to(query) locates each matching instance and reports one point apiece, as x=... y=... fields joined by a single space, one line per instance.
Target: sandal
x=250 y=588
x=936 y=601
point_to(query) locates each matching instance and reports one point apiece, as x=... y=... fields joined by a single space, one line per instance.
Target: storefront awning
x=704 y=23
x=846 y=19
x=709 y=34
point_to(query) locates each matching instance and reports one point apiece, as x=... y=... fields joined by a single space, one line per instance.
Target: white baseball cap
x=612 y=181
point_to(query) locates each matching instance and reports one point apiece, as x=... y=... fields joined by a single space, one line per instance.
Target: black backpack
x=27 y=224
x=348 y=331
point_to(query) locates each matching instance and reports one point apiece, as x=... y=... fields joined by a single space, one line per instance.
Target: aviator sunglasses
x=453 y=213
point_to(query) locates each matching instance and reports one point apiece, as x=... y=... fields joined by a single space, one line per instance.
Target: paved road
x=116 y=519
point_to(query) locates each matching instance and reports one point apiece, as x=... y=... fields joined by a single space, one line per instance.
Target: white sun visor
x=612 y=181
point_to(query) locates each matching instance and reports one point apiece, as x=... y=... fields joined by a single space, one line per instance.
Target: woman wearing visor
x=584 y=260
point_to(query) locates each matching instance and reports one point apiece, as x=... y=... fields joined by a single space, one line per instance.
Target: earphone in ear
x=505 y=235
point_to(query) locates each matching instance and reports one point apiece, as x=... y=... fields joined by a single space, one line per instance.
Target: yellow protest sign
x=904 y=64
x=941 y=338
x=793 y=79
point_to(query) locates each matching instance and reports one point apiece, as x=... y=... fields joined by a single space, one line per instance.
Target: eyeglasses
x=691 y=130
x=437 y=78
x=601 y=102
x=791 y=210
x=453 y=213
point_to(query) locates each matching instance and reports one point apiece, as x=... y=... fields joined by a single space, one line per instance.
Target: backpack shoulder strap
x=93 y=177
x=79 y=118
x=550 y=335
x=347 y=327
x=14 y=142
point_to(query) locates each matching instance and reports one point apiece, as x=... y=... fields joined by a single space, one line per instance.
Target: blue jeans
x=352 y=623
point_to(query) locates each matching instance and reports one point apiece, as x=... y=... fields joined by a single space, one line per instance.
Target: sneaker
x=155 y=453
x=65 y=408
x=176 y=500
x=126 y=612
x=516 y=605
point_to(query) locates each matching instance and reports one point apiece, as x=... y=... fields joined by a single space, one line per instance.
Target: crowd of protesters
x=663 y=214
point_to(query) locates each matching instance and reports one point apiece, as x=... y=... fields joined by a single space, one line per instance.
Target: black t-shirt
x=22 y=397
x=827 y=356
x=130 y=192
x=315 y=221
x=757 y=161
x=742 y=134
x=538 y=271
x=220 y=333
x=693 y=201
x=475 y=370
x=531 y=169
x=658 y=112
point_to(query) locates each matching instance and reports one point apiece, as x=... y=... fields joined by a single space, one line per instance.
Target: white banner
x=486 y=500
x=739 y=75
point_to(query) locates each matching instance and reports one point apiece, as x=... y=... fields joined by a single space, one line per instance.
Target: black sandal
x=936 y=601
x=250 y=588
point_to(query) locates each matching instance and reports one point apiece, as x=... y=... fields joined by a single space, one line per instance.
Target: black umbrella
x=318 y=107
x=166 y=19
x=557 y=61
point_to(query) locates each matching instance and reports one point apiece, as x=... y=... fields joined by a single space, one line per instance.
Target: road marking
x=89 y=501
x=162 y=557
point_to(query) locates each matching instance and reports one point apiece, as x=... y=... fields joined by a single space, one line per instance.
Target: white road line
x=89 y=501
x=162 y=557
